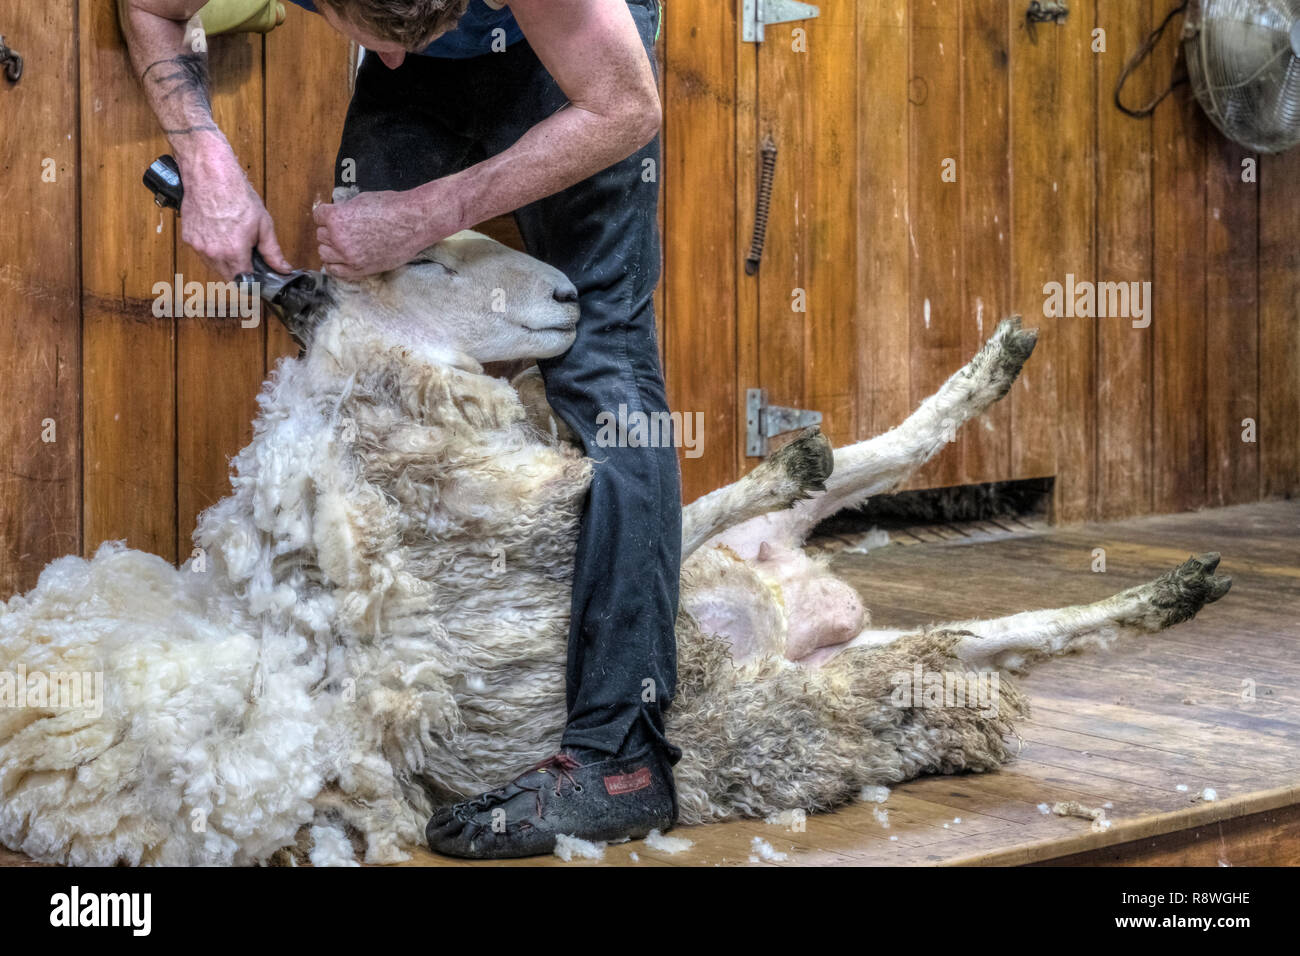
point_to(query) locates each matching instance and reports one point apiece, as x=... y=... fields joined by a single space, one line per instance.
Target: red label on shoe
x=627 y=782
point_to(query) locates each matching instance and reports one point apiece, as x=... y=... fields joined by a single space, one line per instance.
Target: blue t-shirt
x=473 y=35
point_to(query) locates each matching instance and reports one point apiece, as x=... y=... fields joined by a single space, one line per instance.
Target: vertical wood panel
x=128 y=398
x=1053 y=151
x=831 y=190
x=659 y=212
x=1231 y=325
x=1279 y=312
x=1178 y=312
x=1124 y=254
x=884 y=219
x=219 y=363
x=307 y=92
x=40 y=333
x=787 y=99
x=700 y=230
x=936 y=305
x=749 y=137
x=985 y=180
x=1074 y=358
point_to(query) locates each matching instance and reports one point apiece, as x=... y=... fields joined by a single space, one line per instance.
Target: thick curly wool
x=379 y=609
x=771 y=735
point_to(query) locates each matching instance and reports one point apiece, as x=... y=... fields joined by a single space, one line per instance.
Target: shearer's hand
x=373 y=232
x=223 y=218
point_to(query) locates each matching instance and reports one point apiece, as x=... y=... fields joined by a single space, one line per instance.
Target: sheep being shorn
x=374 y=621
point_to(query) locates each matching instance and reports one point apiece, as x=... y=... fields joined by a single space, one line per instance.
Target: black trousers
x=432 y=117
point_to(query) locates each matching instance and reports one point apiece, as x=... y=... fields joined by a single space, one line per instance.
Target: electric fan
x=1243 y=62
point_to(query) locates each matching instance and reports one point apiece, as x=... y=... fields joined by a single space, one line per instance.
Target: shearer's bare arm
x=594 y=52
x=222 y=216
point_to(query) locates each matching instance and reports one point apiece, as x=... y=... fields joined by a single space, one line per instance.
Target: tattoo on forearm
x=183 y=130
x=183 y=79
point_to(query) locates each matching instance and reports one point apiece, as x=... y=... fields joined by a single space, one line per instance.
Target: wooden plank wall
x=905 y=273
x=146 y=411
x=128 y=356
x=40 y=318
x=704 y=107
x=167 y=402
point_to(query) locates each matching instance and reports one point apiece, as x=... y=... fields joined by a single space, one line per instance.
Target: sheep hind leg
x=1012 y=642
x=881 y=463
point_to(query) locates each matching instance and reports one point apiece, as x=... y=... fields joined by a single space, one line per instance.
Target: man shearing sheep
x=549 y=109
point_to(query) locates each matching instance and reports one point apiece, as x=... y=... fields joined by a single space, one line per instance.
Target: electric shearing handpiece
x=292 y=297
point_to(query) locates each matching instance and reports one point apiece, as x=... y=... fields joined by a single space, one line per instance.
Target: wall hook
x=11 y=61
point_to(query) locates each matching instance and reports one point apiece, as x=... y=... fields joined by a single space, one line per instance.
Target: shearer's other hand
x=372 y=233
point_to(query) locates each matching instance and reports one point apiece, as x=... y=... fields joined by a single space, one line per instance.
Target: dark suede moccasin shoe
x=575 y=793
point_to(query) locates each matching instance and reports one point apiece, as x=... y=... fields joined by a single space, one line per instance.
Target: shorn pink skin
x=821 y=610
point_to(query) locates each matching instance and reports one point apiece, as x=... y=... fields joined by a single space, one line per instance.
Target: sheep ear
x=344 y=193
x=528 y=377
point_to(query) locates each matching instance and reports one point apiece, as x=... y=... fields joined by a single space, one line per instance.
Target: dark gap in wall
x=1025 y=498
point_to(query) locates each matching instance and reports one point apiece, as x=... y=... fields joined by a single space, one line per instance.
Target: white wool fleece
x=246 y=694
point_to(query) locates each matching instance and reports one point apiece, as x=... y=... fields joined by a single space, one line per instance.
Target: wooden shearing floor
x=1144 y=728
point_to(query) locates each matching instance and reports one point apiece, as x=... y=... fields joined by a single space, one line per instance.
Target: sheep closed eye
x=434 y=262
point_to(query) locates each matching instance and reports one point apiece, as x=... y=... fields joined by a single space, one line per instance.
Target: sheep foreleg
x=881 y=463
x=792 y=474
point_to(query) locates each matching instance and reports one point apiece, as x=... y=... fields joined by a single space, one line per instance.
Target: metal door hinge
x=764 y=421
x=757 y=14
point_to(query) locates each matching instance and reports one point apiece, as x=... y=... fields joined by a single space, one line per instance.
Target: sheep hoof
x=807 y=462
x=1182 y=592
x=1016 y=342
x=1007 y=351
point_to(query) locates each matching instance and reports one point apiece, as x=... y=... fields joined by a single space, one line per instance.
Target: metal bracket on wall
x=764 y=421
x=757 y=14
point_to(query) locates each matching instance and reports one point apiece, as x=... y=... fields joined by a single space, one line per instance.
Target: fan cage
x=1243 y=61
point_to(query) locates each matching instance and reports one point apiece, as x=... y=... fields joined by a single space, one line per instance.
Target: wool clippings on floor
x=568 y=847
x=762 y=849
x=1072 y=808
x=871 y=794
x=666 y=844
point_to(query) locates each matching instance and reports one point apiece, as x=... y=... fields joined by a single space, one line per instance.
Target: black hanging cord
x=1142 y=53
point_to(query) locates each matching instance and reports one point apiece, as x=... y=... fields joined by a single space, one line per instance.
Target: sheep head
x=470 y=297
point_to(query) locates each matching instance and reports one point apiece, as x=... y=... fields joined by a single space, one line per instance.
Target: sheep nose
x=565 y=293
